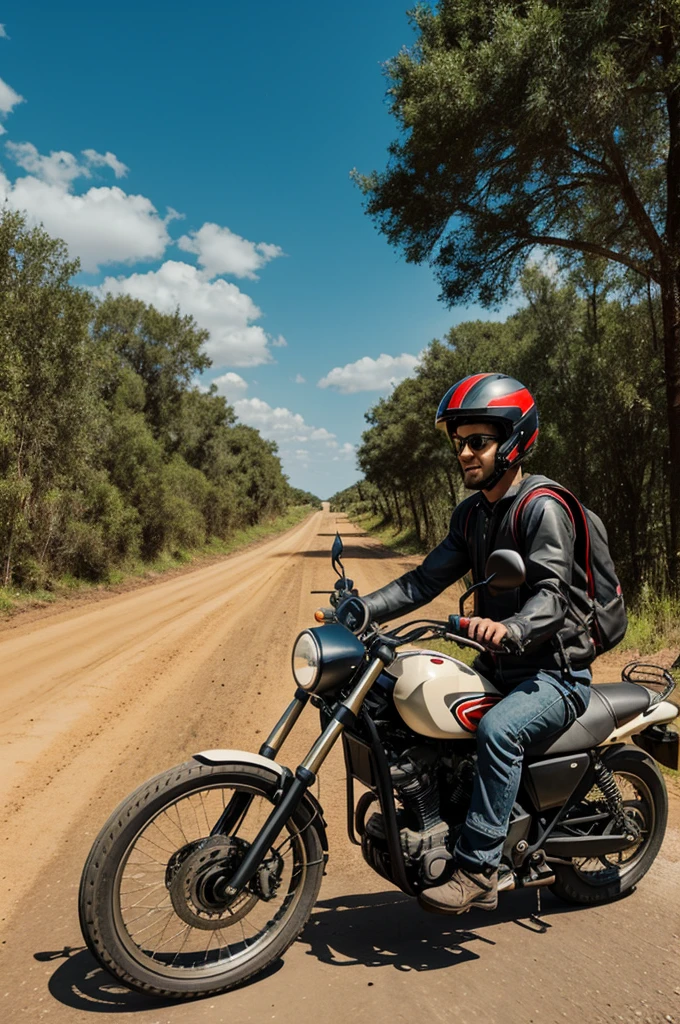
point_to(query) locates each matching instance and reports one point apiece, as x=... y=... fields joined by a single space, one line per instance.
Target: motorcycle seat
x=611 y=705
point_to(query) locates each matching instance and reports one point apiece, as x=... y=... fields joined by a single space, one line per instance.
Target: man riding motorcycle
x=543 y=648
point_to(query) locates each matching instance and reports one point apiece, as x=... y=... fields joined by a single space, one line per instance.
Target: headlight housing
x=306 y=660
x=325 y=657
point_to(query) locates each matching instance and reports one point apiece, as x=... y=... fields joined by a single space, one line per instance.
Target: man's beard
x=481 y=484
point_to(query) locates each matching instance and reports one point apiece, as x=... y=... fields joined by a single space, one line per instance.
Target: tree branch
x=632 y=199
x=580 y=245
x=588 y=159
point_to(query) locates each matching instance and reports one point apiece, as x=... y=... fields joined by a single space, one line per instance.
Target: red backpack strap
x=578 y=518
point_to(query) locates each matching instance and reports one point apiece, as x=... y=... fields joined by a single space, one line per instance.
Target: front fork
x=305 y=776
x=237 y=808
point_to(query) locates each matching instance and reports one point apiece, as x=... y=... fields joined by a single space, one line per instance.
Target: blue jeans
x=532 y=711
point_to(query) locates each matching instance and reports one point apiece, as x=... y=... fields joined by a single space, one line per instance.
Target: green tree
x=163 y=349
x=587 y=359
x=554 y=123
x=49 y=412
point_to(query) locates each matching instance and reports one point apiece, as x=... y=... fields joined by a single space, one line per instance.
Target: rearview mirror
x=505 y=569
x=337 y=548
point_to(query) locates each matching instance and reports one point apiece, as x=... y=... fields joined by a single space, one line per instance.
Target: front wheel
x=589 y=880
x=150 y=905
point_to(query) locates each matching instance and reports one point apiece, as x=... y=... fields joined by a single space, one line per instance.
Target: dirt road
x=95 y=699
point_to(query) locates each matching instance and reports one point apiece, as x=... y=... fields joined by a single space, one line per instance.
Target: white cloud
x=107 y=159
x=221 y=251
x=369 y=374
x=231 y=385
x=59 y=168
x=62 y=167
x=3 y=32
x=346 y=452
x=299 y=379
x=9 y=98
x=321 y=434
x=302 y=453
x=218 y=306
x=103 y=225
x=106 y=225
x=545 y=261
x=279 y=424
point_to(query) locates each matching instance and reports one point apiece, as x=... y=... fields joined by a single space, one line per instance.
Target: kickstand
x=535 y=918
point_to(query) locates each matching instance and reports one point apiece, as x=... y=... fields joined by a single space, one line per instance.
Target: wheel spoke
x=196 y=941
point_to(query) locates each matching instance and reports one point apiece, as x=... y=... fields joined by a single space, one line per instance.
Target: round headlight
x=306 y=661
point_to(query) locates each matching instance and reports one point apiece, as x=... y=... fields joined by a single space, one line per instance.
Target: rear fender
x=659 y=713
x=310 y=804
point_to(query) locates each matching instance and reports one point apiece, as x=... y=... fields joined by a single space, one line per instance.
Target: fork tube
x=285 y=724
x=321 y=749
x=304 y=777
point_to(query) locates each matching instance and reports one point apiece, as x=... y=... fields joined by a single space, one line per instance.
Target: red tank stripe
x=520 y=399
x=469 y=712
x=463 y=388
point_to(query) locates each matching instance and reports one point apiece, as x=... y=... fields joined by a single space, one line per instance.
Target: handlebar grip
x=458 y=624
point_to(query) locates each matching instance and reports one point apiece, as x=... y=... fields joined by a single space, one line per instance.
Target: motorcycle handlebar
x=459 y=624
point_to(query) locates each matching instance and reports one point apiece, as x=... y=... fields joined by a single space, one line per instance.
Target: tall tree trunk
x=395 y=495
x=385 y=510
x=426 y=517
x=414 y=513
x=670 y=305
x=7 y=574
x=452 y=486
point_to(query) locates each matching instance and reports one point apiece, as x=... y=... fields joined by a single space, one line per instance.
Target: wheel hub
x=192 y=878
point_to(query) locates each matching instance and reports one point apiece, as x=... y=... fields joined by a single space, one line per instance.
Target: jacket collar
x=507 y=498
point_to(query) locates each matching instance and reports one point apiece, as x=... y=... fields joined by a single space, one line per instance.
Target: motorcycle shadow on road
x=80 y=983
x=387 y=929
x=384 y=929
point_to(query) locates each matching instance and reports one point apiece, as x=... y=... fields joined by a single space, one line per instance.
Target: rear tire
x=608 y=878
x=109 y=871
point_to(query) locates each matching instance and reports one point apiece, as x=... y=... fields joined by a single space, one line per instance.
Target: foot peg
x=539 y=872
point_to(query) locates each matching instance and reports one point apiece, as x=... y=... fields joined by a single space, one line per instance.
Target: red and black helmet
x=493 y=397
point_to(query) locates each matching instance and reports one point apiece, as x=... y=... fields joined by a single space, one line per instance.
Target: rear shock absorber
x=612 y=796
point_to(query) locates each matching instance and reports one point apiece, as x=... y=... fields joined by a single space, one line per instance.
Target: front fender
x=309 y=801
x=216 y=757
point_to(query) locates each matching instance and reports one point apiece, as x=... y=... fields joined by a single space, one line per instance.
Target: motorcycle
x=207 y=873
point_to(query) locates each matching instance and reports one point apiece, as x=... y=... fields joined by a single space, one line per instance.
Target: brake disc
x=191 y=877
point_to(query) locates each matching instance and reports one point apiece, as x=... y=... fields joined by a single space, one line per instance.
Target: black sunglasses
x=476 y=442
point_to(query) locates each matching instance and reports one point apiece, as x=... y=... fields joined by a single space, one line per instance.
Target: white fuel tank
x=438 y=696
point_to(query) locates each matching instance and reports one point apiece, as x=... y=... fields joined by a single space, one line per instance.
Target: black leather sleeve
x=547 y=546
x=442 y=567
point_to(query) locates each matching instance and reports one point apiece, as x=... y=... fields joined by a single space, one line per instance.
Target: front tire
x=602 y=879
x=142 y=901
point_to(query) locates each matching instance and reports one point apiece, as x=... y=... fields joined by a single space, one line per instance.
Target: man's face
x=477 y=466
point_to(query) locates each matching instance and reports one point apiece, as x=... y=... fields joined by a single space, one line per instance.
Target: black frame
x=366 y=762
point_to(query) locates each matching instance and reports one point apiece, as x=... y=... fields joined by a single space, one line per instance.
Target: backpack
x=607 y=620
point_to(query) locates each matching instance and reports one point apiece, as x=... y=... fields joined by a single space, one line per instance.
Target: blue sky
x=200 y=154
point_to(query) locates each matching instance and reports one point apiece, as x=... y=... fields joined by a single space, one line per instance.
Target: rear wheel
x=601 y=879
x=151 y=908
